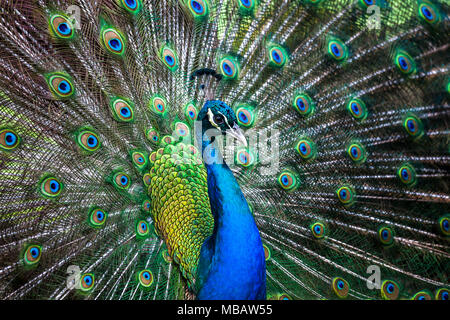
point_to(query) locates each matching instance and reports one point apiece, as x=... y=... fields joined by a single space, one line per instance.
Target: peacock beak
x=237 y=133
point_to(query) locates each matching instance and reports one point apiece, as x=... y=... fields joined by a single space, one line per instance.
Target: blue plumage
x=232 y=262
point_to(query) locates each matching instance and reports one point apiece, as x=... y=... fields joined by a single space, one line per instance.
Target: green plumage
x=354 y=176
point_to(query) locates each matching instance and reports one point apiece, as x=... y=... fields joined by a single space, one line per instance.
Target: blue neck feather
x=232 y=262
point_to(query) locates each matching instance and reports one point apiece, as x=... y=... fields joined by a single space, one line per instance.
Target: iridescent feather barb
x=97 y=109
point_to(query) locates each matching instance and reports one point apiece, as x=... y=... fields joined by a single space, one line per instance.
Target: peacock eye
x=146 y=278
x=87 y=282
x=32 y=254
x=218 y=119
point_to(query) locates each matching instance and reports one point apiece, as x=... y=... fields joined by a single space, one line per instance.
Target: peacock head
x=216 y=118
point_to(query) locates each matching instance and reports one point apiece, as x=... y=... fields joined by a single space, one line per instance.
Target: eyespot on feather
x=245 y=116
x=182 y=130
x=122 y=110
x=267 y=253
x=244 y=157
x=428 y=12
x=121 y=180
x=337 y=50
x=50 y=187
x=288 y=180
x=318 y=230
x=405 y=63
x=442 y=294
x=142 y=229
x=190 y=112
x=158 y=105
x=60 y=85
x=153 y=136
x=97 y=217
x=145 y=278
x=61 y=27
x=356 y=152
x=304 y=105
x=169 y=58
x=9 y=139
x=113 y=41
x=340 y=287
x=88 y=141
x=444 y=225
x=386 y=235
x=357 y=109
x=422 y=295
x=32 y=254
x=390 y=290
x=198 y=8
x=346 y=195
x=407 y=175
x=413 y=126
x=246 y=5
x=87 y=281
x=146 y=206
x=277 y=56
x=132 y=6
x=139 y=159
x=306 y=148
x=229 y=68
x=367 y=3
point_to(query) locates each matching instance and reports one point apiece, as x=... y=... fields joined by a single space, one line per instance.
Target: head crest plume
x=205 y=81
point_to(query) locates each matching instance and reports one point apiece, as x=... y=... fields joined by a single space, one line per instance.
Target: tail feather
x=305 y=71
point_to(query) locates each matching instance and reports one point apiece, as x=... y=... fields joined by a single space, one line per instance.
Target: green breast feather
x=180 y=203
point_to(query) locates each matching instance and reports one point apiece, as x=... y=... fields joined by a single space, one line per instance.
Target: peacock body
x=114 y=183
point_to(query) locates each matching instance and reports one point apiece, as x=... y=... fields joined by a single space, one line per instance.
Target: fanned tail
x=353 y=179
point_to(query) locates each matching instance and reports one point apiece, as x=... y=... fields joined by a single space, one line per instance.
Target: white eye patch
x=211 y=119
x=226 y=120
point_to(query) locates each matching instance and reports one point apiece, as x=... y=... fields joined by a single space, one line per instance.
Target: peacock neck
x=232 y=260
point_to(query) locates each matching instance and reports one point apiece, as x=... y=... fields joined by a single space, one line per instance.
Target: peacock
x=224 y=149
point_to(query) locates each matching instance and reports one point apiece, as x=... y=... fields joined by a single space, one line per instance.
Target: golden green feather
x=180 y=203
